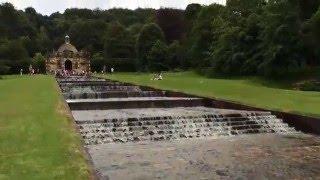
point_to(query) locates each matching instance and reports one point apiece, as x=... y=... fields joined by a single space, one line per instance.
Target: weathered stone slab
x=241 y=157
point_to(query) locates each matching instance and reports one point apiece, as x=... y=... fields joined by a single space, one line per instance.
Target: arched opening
x=68 y=65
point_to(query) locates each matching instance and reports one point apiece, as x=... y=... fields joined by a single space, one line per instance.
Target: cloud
x=50 y=6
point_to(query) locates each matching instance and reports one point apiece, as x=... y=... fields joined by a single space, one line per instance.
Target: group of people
x=157 y=76
x=32 y=71
x=67 y=73
x=104 y=70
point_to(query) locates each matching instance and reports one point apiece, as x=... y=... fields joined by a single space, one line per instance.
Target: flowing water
x=159 y=126
x=178 y=127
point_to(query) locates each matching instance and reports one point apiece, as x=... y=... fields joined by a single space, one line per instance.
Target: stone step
x=124 y=131
x=105 y=128
x=114 y=94
x=158 y=113
x=89 y=83
x=79 y=79
x=98 y=88
x=166 y=125
x=117 y=139
x=217 y=118
x=133 y=102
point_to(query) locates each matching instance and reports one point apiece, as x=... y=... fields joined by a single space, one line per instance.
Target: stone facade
x=68 y=58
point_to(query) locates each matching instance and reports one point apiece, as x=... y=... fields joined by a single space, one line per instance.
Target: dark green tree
x=150 y=33
x=118 y=43
x=176 y=57
x=172 y=22
x=157 y=57
x=38 y=62
x=88 y=34
x=311 y=37
x=13 y=54
x=192 y=11
x=43 y=42
x=202 y=36
x=283 y=48
x=97 y=62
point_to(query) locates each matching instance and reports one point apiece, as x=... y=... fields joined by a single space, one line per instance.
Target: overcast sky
x=49 y=6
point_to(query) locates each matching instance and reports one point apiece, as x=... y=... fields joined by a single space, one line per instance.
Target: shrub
x=4 y=69
x=310 y=86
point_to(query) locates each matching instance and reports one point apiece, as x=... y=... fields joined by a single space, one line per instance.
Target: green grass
x=250 y=91
x=37 y=140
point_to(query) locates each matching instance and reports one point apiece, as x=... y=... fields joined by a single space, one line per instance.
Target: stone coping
x=130 y=99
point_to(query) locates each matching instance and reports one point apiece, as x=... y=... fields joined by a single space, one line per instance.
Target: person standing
x=112 y=70
x=30 y=69
x=104 y=70
x=21 y=72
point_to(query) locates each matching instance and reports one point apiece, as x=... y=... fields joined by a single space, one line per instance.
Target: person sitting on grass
x=160 y=76
x=157 y=76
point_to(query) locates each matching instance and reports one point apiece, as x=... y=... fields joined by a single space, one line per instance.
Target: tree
x=176 y=58
x=118 y=43
x=134 y=30
x=43 y=41
x=244 y=8
x=308 y=8
x=226 y=56
x=201 y=36
x=235 y=51
x=315 y=25
x=97 y=62
x=88 y=34
x=244 y=37
x=283 y=48
x=149 y=34
x=4 y=68
x=38 y=62
x=311 y=37
x=157 y=57
x=13 y=55
x=192 y=11
x=14 y=23
x=172 y=22
x=191 y=14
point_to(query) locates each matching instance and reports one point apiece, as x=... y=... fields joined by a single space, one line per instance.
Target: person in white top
x=160 y=76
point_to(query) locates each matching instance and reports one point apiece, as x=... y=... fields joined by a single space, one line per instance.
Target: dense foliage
x=247 y=37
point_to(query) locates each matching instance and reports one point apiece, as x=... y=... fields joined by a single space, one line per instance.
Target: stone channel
x=134 y=132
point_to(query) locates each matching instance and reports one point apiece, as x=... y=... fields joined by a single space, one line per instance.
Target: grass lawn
x=37 y=140
x=249 y=91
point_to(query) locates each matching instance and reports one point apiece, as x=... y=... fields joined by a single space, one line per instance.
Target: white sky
x=50 y=6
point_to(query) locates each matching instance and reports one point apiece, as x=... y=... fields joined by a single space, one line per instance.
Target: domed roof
x=67 y=46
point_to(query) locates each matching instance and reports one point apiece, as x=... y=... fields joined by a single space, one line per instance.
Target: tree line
x=246 y=37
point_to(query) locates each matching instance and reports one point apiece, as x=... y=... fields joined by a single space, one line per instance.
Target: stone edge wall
x=94 y=174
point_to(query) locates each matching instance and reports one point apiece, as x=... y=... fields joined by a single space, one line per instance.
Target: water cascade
x=172 y=118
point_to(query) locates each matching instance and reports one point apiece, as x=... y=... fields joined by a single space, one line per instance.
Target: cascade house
x=68 y=58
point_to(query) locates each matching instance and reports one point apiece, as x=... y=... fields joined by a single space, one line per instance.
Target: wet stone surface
x=130 y=135
x=268 y=156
